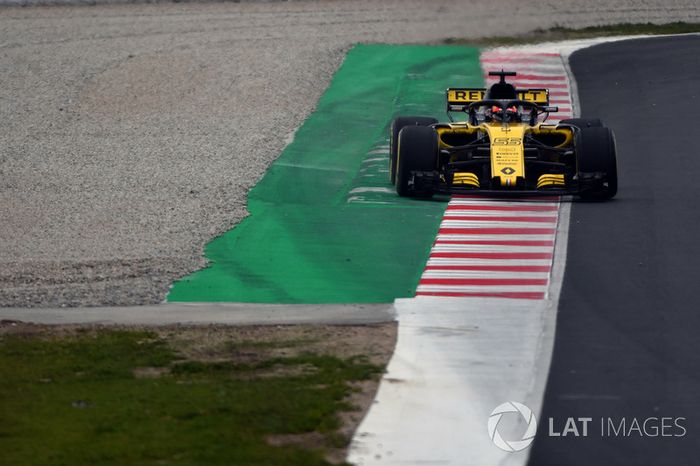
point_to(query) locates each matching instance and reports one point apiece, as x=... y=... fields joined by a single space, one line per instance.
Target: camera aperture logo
x=527 y=415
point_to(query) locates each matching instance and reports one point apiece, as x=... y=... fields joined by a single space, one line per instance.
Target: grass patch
x=118 y=397
x=562 y=33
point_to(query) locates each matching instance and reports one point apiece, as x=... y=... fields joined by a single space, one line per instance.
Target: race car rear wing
x=459 y=98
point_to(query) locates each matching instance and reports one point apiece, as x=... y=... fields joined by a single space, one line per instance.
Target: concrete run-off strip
x=208 y=313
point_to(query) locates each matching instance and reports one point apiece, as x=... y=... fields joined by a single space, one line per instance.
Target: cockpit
x=503 y=111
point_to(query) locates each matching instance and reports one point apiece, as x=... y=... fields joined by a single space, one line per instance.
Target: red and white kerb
x=490 y=247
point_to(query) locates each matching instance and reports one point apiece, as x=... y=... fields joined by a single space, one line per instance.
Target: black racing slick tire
x=583 y=122
x=597 y=163
x=396 y=126
x=417 y=150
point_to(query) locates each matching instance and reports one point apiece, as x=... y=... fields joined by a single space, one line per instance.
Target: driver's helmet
x=514 y=113
x=498 y=114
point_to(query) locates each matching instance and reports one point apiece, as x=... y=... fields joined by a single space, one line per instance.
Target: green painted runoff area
x=325 y=225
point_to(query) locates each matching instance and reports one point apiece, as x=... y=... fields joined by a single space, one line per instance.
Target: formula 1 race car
x=502 y=148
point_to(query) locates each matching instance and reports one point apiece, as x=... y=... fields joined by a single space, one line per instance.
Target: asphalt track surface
x=626 y=342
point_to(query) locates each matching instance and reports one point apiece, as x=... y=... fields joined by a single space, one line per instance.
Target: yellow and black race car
x=502 y=148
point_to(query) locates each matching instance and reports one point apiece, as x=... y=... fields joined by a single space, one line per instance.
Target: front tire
x=417 y=150
x=597 y=156
x=397 y=125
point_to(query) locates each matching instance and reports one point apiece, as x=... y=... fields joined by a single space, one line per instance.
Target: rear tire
x=396 y=126
x=417 y=150
x=597 y=153
x=583 y=122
